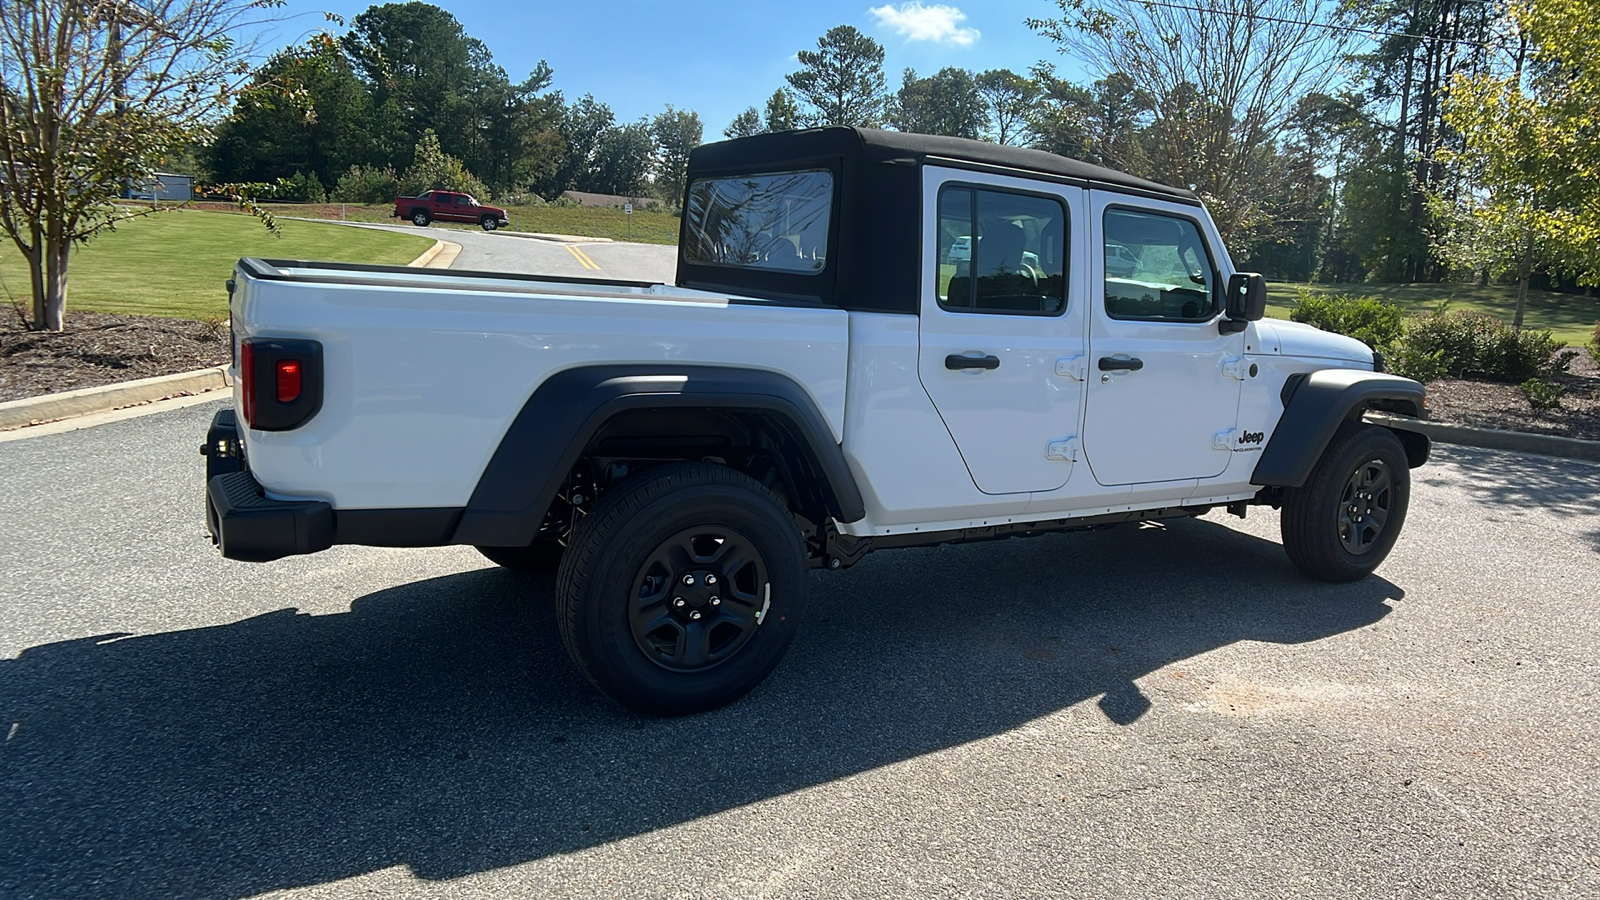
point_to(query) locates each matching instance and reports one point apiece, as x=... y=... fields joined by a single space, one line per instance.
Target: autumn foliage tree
x=1531 y=145
x=94 y=94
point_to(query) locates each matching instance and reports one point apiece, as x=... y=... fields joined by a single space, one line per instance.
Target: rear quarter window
x=777 y=221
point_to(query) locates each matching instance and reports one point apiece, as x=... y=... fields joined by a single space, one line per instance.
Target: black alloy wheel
x=489 y=223
x=1364 y=506
x=1342 y=523
x=420 y=218
x=700 y=597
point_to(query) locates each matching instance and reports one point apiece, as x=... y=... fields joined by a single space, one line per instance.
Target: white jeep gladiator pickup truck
x=875 y=340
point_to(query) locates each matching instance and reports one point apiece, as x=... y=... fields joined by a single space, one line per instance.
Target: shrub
x=1367 y=319
x=1594 y=345
x=367 y=185
x=301 y=187
x=1409 y=362
x=1542 y=395
x=1477 y=344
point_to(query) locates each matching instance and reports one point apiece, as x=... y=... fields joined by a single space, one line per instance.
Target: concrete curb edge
x=1495 y=439
x=85 y=401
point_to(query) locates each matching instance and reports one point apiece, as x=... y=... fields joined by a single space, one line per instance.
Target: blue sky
x=715 y=56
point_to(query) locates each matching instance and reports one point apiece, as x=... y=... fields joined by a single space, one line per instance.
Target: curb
x=1495 y=439
x=439 y=256
x=70 y=404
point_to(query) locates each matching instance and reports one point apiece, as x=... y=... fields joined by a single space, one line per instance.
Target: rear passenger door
x=1164 y=380
x=1002 y=334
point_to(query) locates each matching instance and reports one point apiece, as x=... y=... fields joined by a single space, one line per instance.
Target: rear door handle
x=1112 y=364
x=958 y=361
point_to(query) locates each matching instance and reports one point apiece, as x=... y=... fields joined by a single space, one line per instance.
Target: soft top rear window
x=777 y=221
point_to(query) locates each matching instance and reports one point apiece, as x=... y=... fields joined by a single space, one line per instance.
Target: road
x=505 y=252
x=1147 y=711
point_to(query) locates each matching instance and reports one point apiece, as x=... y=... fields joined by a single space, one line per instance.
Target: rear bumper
x=244 y=523
x=249 y=526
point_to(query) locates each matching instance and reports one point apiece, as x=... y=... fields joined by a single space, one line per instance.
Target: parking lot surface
x=1165 y=711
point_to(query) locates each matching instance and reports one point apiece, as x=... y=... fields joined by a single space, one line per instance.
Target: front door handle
x=958 y=361
x=1112 y=364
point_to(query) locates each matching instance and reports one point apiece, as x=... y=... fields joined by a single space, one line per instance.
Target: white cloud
x=915 y=22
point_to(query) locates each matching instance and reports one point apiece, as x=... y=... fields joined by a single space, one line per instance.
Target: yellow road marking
x=582 y=257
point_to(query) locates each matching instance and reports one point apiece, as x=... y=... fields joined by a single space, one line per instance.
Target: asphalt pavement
x=1161 y=711
x=503 y=251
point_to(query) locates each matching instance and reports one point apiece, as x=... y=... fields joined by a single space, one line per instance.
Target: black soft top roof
x=874 y=146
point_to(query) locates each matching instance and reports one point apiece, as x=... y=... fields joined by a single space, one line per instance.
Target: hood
x=1299 y=339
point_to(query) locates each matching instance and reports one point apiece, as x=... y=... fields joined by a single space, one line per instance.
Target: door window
x=1001 y=252
x=1157 y=268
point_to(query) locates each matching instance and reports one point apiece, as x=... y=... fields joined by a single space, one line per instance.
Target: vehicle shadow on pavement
x=439 y=725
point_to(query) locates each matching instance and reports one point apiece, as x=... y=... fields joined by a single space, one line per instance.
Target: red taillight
x=247 y=382
x=288 y=380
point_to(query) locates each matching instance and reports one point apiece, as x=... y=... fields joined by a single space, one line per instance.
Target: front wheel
x=682 y=590
x=489 y=223
x=1342 y=523
x=420 y=218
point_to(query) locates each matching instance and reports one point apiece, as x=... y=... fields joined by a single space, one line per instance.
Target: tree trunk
x=1526 y=271
x=47 y=267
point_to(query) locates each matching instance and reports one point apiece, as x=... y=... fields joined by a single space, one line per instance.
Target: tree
x=782 y=112
x=1408 y=74
x=433 y=169
x=1223 y=77
x=1531 y=142
x=1007 y=98
x=842 y=80
x=744 y=124
x=95 y=94
x=305 y=111
x=674 y=132
x=946 y=103
x=583 y=122
x=621 y=161
x=424 y=72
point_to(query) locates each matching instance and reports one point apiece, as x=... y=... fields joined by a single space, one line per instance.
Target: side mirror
x=1247 y=297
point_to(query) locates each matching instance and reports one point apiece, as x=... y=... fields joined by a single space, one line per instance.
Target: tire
x=1344 y=520
x=420 y=218
x=693 y=644
x=489 y=224
x=538 y=558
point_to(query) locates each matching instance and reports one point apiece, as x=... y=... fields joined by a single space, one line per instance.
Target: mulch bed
x=101 y=348
x=1488 y=404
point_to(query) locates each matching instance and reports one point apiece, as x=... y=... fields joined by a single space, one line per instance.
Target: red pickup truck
x=449 y=206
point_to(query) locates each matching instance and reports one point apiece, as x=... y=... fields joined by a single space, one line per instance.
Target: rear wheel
x=1342 y=523
x=489 y=223
x=538 y=558
x=420 y=218
x=682 y=590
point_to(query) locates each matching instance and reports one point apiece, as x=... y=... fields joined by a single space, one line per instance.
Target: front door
x=1164 y=380
x=1001 y=332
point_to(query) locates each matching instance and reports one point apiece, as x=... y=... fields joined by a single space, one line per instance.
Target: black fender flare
x=545 y=440
x=1316 y=404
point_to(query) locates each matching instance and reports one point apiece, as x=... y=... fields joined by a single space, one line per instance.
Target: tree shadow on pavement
x=1566 y=487
x=439 y=725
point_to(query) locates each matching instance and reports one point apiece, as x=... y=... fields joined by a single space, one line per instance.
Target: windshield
x=775 y=221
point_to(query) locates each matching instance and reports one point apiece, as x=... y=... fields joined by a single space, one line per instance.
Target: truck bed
x=448 y=359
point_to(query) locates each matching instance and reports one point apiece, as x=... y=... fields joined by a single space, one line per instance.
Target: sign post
x=628 y=209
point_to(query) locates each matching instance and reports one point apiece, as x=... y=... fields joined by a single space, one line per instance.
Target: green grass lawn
x=648 y=227
x=1570 y=317
x=175 y=263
